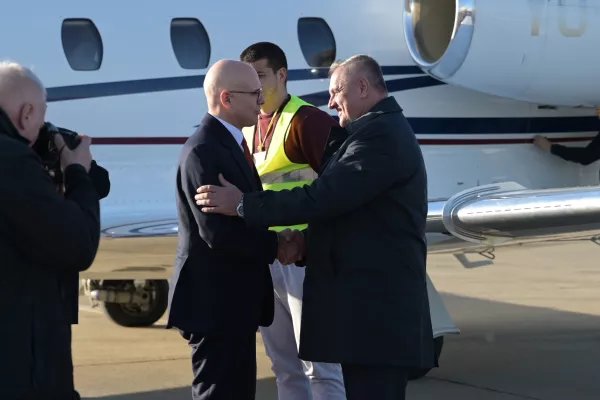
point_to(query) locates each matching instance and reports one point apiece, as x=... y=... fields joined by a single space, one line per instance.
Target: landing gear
x=418 y=373
x=130 y=303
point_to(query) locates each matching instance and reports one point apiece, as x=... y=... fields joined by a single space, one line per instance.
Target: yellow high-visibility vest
x=277 y=172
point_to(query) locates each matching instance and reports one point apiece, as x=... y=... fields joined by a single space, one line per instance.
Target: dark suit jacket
x=365 y=294
x=221 y=282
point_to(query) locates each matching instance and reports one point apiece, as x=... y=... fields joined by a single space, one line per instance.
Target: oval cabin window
x=316 y=41
x=190 y=42
x=82 y=44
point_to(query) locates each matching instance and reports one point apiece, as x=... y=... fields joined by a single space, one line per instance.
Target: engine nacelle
x=540 y=51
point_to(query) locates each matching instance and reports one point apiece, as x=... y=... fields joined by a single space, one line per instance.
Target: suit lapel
x=237 y=153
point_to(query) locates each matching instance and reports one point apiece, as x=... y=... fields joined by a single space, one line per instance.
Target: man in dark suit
x=365 y=295
x=221 y=289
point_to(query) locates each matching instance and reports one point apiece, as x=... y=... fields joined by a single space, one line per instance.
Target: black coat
x=581 y=155
x=100 y=179
x=365 y=295
x=45 y=239
x=221 y=281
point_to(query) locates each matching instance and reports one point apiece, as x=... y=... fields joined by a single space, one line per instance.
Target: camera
x=47 y=151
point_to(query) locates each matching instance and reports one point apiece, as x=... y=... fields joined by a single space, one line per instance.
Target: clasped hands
x=291 y=246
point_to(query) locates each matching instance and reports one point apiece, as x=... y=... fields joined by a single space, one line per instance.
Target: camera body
x=46 y=149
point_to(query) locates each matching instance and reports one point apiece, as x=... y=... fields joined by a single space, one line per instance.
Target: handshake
x=291 y=247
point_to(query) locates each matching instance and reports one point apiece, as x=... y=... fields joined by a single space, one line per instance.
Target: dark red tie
x=248 y=155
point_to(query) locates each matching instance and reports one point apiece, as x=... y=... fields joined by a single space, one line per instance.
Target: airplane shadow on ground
x=265 y=388
x=518 y=351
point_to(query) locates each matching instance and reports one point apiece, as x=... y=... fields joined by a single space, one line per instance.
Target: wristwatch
x=240 y=207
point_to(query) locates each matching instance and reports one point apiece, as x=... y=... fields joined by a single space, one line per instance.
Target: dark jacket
x=100 y=179
x=581 y=155
x=45 y=239
x=221 y=281
x=365 y=295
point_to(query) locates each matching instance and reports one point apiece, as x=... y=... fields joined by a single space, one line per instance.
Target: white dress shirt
x=237 y=134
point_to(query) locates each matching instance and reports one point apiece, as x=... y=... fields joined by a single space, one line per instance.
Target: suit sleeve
x=581 y=155
x=222 y=232
x=54 y=231
x=369 y=166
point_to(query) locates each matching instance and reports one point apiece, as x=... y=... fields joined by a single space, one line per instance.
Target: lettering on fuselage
x=564 y=7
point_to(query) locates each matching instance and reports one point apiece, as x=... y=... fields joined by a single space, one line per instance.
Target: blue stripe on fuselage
x=483 y=125
x=120 y=88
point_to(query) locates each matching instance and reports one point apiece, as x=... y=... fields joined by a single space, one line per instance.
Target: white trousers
x=296 y=379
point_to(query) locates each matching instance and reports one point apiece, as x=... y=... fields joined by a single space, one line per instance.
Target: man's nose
x=332 y=104
x=261 y=99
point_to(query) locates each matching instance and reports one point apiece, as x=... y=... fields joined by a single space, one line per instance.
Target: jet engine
x=540 y=51
x=507 y=212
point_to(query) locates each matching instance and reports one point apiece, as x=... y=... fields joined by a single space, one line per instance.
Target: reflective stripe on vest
x=277 y=172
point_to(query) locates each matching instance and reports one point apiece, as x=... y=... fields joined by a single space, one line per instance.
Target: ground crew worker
x=581 y=155
x=287 y=144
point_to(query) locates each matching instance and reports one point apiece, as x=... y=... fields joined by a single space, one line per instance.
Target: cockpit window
x=82 y=44
x=190 y=42
x=316 y=41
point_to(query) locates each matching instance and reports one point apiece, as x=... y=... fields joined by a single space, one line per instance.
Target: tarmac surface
x=530 y=329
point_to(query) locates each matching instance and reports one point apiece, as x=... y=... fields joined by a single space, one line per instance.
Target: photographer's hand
x=80 y=155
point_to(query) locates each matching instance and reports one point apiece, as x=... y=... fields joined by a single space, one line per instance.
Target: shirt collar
x=237 y=134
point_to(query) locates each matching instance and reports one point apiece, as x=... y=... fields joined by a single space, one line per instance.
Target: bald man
x=45 y=240
x=221 y=289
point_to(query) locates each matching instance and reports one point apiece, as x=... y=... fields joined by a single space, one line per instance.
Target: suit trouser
x=381 y=382
x=296 y=379
x=224 y=366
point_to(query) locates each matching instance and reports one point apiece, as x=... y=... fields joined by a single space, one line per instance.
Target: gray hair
x=11 y=72
x=364 y=63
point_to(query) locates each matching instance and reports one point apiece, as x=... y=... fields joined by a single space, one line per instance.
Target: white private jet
x=477 y=80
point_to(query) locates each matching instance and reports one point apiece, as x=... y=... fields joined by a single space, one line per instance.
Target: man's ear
x=24 y=114
x=282 y=75
x=363 y=86
x=225 y=99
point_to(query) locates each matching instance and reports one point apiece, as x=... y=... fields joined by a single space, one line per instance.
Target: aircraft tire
x=127 y=316
x=418 y=373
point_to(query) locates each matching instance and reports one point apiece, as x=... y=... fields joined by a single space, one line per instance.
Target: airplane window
x=190 y=42
x=82 y=44
x=316 y=41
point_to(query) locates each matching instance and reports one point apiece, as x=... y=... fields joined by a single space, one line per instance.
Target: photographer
x=45 y=238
